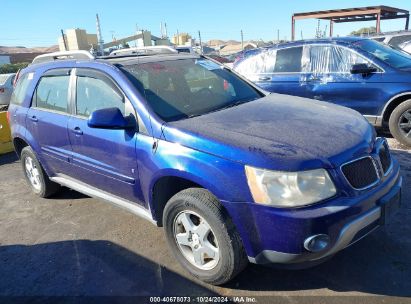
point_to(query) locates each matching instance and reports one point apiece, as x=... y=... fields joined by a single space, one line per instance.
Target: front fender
x=225 y=179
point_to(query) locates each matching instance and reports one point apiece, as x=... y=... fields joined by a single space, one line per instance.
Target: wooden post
x=378 y=22
x=292 y=28
x=331 y=27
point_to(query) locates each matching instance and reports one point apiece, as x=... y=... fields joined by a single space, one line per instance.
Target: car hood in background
x=279 y=132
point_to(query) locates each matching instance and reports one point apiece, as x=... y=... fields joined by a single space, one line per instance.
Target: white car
x=406 y=46
x=394 y=39
x=6 y=88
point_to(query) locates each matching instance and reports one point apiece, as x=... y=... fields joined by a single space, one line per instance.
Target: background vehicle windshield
x=385 y=53
x=178 y=89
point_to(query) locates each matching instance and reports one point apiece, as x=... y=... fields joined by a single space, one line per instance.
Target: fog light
x=316 y=243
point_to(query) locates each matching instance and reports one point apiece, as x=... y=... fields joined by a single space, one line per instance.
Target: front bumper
x=273 y=236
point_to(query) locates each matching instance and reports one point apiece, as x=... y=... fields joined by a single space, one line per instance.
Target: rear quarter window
x=20 y=90
x=288 y=60
x=52 y=93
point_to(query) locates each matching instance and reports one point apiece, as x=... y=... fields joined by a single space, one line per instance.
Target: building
x=235 y=48
x=77 y=39
x=182 y=39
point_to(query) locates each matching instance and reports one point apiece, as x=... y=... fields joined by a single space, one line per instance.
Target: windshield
x=392 y=57
x=178 y=89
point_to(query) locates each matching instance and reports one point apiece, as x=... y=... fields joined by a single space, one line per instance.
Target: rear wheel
x=202 y=236
x=35 y=174
x=400 y=123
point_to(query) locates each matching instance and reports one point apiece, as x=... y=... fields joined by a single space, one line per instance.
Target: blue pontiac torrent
x=358 y=73
x=233 y=174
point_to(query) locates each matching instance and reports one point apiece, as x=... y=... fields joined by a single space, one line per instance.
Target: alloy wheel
x=32 y=173
x=196 y=240
x=404 y=123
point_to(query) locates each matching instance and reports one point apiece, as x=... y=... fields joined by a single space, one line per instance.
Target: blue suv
x=232 y=174
x=358 y=73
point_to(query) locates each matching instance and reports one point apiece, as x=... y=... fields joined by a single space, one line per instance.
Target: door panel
x=362 y=94
x=103 y=158
x=286 y=73
x=329 y=79
x=47 y=120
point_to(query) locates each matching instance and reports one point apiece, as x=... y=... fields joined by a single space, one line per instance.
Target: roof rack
x=146 y=50
x=63 y=56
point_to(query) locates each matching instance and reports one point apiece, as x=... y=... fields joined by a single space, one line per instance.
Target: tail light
x=8 y=117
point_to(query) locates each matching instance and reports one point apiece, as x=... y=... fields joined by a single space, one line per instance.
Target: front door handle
x=34 y=118
x=264 y=78
x=77 y=131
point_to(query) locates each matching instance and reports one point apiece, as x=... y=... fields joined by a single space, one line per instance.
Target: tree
x=364 y=31
x=12 y=67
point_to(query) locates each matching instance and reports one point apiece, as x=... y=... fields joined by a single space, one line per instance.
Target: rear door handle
x=34 y=118
x=77 y=131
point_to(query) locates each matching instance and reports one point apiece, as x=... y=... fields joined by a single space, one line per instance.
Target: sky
x=38 y=22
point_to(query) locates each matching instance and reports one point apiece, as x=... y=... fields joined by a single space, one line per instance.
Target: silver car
x=6 y=88
x=406 y=46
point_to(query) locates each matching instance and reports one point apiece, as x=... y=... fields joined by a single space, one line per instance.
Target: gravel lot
x=75 y=245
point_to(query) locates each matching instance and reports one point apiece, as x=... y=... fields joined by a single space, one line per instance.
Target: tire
x=399 y=116
x=196 y=203
x=35 y=174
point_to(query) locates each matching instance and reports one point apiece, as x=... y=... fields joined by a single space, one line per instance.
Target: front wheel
x=202 y=236
x=400 y=123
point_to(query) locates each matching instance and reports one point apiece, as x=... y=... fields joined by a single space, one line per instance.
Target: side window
x=331 y=59
x=396 y=41
x=342 y=59
x=97 y=92
x=288 y=60
x=262 y=62
x=20 y=90
x=52 y=93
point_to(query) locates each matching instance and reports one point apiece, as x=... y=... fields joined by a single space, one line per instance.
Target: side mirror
x=109 y=118
x=362 y=68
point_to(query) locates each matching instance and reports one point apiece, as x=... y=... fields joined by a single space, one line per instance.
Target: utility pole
x=178 y=38
x=201 y=46
x=278 y=35
x=165 y=29
x=242 y=40
x=100 y=40
x=64 y=40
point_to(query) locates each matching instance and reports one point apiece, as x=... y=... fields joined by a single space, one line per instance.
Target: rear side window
x=97 y=92
x=288 y=60
x=20 y=91
x=52 y=93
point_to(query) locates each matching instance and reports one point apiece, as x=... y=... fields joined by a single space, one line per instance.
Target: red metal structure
x=368 y=13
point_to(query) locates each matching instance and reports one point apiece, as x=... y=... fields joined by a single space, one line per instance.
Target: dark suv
x=233 y=174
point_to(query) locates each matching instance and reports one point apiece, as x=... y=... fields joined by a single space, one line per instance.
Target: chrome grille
x=361 y=173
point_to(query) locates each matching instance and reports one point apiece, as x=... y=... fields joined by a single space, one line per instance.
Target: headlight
x=289 y=189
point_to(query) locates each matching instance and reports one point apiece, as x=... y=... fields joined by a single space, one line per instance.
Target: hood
x=278 y=132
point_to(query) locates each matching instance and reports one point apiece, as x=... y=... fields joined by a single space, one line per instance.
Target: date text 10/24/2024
x=203 y=299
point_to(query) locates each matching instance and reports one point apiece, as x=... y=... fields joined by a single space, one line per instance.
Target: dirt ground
x=73 y=245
